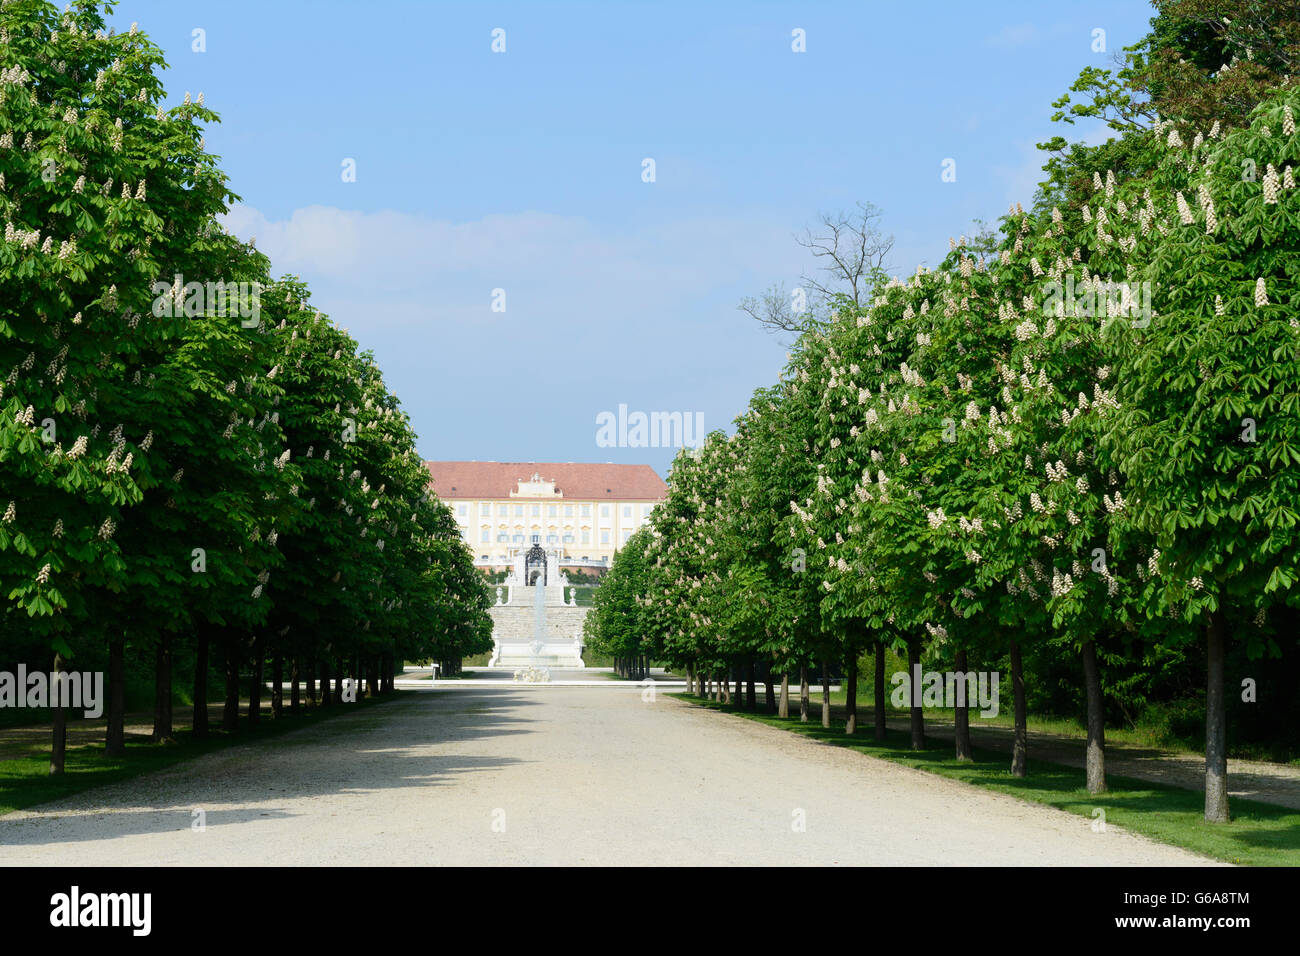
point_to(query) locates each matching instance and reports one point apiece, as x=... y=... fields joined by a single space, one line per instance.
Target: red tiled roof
x=576 y=480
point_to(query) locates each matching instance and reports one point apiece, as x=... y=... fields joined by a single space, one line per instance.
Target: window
x=586 y=511
x=586 y=537
x=537 y=539
x=551 y=539
x=485 y=509
x=462 y=510
x=568 y=511
x=552 y=511
x=537 y=510
x=568 y=539
x=604 y=511
x=645 y=510
x=485 y=537
x=502 y=538
x=518 y=539
x=519 y=511
x=626 y=535
x=627 y=511
x=604 y=537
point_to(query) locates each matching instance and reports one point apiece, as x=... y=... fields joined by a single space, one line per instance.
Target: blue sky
x=522 y=171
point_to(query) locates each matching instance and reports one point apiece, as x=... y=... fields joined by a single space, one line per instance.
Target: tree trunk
x=851 y=695
x=878 y=690
x=326 y=691
x=751 y=702
x=1216 y=714
x=230 y=715
x=1096 y=754
x=59 y=741
x=961 y=716
x=115 y=735
x=162 y=698
x=277 y=686
x=783 y=709
x=311 y=680
x=826 y=693
x=255 y=687
x=295 y=690
x=803 y=693
x=769 y=689
x=918 y=715
x=690 y=681
x=1020 y=744
x=199 y=720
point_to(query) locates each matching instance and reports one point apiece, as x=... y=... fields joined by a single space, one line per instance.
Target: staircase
x=515 y=626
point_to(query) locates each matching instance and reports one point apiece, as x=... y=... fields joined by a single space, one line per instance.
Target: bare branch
x=776 y=310
x=853 y=254
x=856 y=249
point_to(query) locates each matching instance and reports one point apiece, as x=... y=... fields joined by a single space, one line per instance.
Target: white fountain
x=535 y=673
x=549 y=636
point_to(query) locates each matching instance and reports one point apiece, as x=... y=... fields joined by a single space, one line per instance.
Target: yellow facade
x=590 y=531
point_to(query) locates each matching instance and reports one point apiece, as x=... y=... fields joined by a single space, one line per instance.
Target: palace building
x=585 y=511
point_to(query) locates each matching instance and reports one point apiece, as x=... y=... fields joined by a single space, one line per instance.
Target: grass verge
x=25 y=780
x=1259 y=834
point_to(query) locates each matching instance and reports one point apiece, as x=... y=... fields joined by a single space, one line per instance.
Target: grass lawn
x=1260 y=834
x=25 y=778
x=1140 y=737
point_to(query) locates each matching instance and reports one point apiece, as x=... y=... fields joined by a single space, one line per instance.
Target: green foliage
x=1079 y=429
x=180 y=459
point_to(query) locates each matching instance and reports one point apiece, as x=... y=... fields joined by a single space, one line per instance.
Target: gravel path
x=554 y=775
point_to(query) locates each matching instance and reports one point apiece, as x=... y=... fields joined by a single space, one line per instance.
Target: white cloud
x=1022 y=177
x=1013 y=36
x=418 y=265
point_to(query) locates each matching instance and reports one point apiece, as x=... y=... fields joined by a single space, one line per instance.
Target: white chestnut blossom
x=1271 y=186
